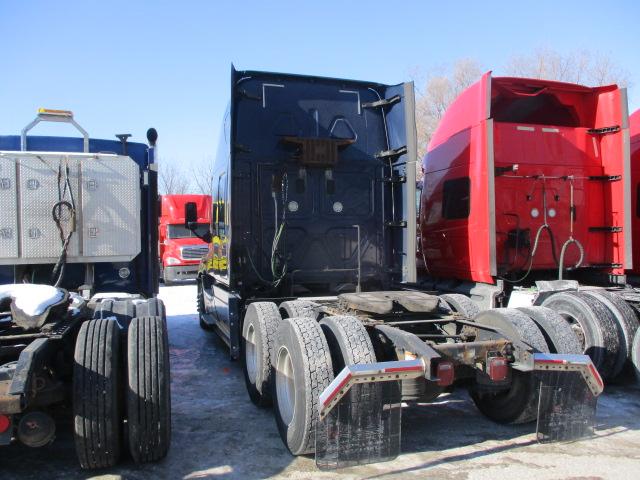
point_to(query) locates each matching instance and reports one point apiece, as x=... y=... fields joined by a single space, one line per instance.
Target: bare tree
x=203 y=176
x=435 y=94
x=583 y=66
x=436 y=90
x=172 y=180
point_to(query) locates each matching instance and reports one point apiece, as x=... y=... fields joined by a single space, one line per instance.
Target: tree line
x=435 y=90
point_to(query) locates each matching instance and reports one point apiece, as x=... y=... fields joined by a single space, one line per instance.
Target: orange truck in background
x=180 y=250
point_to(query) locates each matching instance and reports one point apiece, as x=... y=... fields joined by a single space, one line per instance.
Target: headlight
x=172 y=261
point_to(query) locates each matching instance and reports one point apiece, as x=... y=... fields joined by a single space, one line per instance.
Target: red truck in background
x=180 y=248
x=634 y=133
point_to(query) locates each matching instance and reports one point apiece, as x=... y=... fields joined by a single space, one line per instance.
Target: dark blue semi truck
x=79 y=321
x=310 y=278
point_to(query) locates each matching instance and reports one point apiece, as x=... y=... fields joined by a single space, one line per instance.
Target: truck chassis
x=338 y=369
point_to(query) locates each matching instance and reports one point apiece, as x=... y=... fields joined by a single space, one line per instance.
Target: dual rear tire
x=289 y=362
x=604 y=324
x=113 y=381
x=542 y=329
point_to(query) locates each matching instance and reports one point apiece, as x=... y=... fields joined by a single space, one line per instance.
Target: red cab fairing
x=634 y=133
x=512 y=155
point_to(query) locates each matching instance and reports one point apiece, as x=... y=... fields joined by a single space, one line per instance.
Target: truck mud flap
x=360 y=414
x=569 y=390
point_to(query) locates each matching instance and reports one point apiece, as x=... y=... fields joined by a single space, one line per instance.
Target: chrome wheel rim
x=285 y=388
x=251 y=354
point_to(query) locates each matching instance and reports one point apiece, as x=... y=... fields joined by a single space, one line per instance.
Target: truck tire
x=594 y=325
x=626 y=324
x=302 y=369
x=96 y=394
x=258 y=332
x=348 y=340
x=461 y=304
x=635 y=355
x=519 y=403
x=163 y=278
x=152 y=307
x=122 y=310
x=299 y=308
x=201 y=308
x=557 y=333
x=149 y=392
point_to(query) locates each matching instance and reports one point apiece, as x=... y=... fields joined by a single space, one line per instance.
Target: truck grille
x=194 y=253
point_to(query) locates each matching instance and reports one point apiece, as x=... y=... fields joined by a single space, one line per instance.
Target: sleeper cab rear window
x=456 y=197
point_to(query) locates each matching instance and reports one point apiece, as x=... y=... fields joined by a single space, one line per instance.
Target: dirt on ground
x=219 y=433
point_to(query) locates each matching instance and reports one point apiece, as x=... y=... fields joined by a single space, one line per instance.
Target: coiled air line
x=570 y=240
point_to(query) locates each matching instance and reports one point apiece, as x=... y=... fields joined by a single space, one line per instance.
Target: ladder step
x=602 y=131
x=392 y=154
x=606 y=178
x=606 y=229
x=385 y=102
x=395 y=179
x=401 y=224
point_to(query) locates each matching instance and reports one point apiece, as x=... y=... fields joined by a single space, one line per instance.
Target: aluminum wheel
x=251 y=354
x=285 y=387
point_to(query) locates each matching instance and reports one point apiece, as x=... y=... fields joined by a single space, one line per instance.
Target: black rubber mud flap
x=567 y=407
x=351 y=435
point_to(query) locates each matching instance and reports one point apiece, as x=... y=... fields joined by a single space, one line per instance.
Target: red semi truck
x=526 y=201
x=180 y=248
x=634 y=134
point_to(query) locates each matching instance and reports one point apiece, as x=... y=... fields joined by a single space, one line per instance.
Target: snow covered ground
x=219 y=433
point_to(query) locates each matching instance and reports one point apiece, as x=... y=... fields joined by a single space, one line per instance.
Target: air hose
x=276 y=276
x=570 y=240
x=533 y=253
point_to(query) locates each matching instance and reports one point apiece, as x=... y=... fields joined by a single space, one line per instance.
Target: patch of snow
x=114 y=296
x=180 y=300
x=31 y=298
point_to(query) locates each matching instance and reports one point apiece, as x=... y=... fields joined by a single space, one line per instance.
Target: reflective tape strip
x=366 y=373
x=571 y=363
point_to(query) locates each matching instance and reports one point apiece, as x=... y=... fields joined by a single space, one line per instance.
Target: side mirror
x=190 y=215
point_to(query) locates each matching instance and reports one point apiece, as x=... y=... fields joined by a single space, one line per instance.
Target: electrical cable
x=64 y=187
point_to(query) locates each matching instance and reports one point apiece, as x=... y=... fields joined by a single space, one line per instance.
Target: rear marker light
x=498 y=369
x=5 y=423
x=446 y=374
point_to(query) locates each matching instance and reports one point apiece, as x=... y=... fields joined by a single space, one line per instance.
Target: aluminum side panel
x=110 y=208
x=9 y=202
x=38 y=191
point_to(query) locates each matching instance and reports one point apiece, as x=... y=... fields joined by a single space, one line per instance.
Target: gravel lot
x=218 y=433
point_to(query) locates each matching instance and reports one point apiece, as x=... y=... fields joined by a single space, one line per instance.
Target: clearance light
x=498 y=369
x=446 y=373
x=53 y=112
x=5 y=423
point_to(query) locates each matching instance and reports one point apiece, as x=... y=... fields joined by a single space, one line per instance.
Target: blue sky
x=123 y=66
